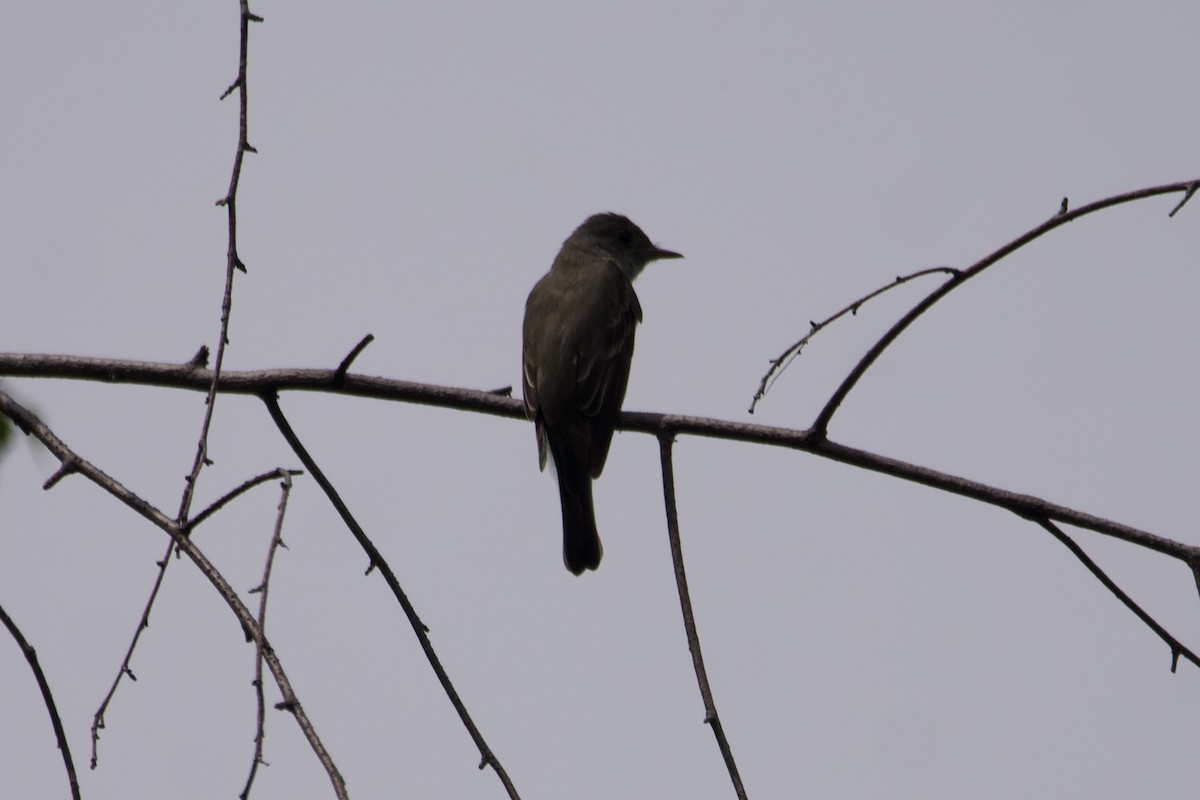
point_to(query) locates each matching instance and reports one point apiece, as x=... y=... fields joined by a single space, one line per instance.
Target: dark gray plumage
x=578 y=344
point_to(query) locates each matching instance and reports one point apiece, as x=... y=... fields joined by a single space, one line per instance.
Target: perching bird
x=578 y=343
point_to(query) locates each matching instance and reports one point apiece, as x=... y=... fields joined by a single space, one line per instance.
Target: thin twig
x=1177 y=647
x=259 y=640
x=665 y=443
x=278 y=472
x=340 y=373
x=821 y=425
x=47 y=698
x=30 y=423
x=784 y=359
x=126 y=668
x=376 y=561
x=1187 y=196
x=232 y=262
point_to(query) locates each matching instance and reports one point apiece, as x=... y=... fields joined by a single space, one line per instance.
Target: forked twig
x=1177 y=647
x=232 y=263
x=1062 y=217
x=33 y=426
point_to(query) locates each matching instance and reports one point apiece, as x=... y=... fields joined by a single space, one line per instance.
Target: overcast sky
x=418 y=166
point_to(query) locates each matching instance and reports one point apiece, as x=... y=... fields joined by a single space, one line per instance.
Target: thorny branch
x=1057 y=220
x=32 y=426
x=162 y=564
x=784 y=359
x=232 y=263
x=259 y=640
x=126 y=669
x=232 y=260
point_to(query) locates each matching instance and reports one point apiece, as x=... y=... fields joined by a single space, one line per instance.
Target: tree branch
x=1177 y=647
x=55 y=721
x=267 y=382
x=232 y=263
x=285 y=475
x=262 y=590
x=31 y=425
x=125 y=668
x=784 y=359
x=1062 y=217
x=665 y=444
x=377 y=561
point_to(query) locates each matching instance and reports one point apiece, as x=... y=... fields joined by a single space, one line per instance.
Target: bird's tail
x=581 y=542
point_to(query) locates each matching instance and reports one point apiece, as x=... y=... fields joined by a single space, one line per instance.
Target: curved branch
x=665 y=444
x=1062 y=217
x=48 y=698
x=344 y=367
x=285 y=475
x=377 y=561
x=781 y=362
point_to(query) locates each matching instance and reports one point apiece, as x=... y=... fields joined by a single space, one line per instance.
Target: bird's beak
x=660 y=253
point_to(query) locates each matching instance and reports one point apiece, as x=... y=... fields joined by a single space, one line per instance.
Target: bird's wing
x=575 y=365
x=530 y=395
x=602 y=369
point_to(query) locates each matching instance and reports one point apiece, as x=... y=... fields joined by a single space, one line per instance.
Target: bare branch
x=1187 y=196
x=232 y=262
x=55 y=721
x=28 y=422
x=821 y=425
x=66 y=468
x=259 y=639
x=200 y=360
x=665 y=443
x=125 y=668
x=322 y=380
x=344 y=367
x=278 y=472
x=197 y=363
x=377 y=561
x=784 y=359
x=1177 y=647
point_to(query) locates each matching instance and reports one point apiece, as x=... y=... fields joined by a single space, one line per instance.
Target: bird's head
x=617 y=237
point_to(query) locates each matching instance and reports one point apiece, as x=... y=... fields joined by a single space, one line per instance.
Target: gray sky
x=418 y=167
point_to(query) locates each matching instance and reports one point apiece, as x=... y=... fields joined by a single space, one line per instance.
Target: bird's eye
x=624 y=237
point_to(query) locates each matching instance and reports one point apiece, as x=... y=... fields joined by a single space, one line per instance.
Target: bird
x=577 y=346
